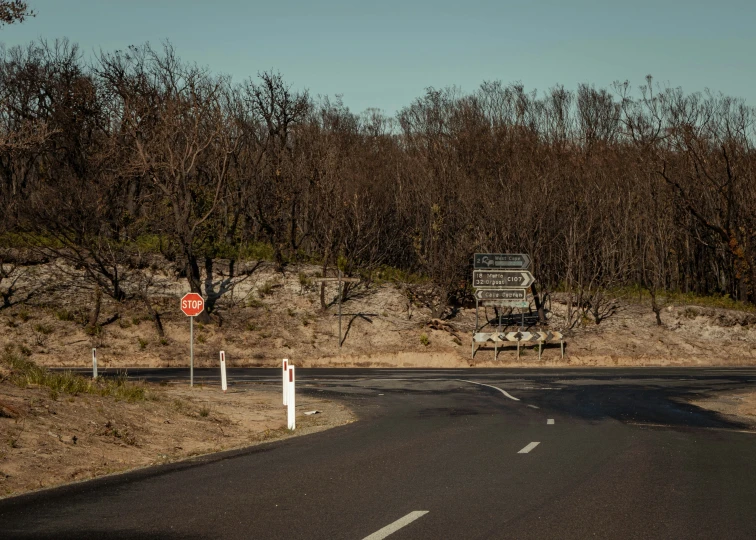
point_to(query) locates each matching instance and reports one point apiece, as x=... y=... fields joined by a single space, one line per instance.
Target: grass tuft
x=26 y=373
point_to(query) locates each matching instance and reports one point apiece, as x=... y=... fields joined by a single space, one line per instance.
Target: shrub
x=43 y=329
x=64 y=315
x=266 y=288
x=424 y=339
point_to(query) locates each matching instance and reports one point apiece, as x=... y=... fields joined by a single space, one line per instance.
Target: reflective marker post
x=94 y=363
x=224 y=384
x=285 y=380
x=292 y=424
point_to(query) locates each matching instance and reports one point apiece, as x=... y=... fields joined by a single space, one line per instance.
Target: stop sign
x=192 y=304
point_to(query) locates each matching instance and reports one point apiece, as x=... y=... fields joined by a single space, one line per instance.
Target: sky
x=385 y=53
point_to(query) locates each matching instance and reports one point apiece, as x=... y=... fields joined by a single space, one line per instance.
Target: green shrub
x=424 y=339
x=266 y=288
x=95 y=330
x=43 y=329
x=142 y=344
x=64 y=315
x=257 y=251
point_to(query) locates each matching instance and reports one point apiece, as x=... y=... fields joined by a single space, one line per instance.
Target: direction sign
x=192 y=304
x=517 y=261
x=502 y=279
x=500 y=294
x=506 y=303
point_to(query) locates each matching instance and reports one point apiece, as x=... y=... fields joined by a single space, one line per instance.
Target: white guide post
x=223 y=370
x=94 y=363
x=285 y=379
x=290 y=413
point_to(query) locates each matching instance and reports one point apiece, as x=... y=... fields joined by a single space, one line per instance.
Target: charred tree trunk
x=94 y=315
x=155 y=315
x=539 y=305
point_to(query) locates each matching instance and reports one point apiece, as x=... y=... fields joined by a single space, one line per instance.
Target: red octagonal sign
x=192 y=304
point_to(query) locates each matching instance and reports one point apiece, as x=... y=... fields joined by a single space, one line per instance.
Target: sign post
x=192 y=305
x=494 y=261
x=341 y=279
x=502 y=279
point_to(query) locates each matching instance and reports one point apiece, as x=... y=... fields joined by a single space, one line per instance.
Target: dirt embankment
x=271 y=315
x=46 y=441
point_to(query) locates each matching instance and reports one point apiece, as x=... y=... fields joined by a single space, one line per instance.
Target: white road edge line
x=395 y=526
x=528 y=448
x=489 y=386
x=550 y=421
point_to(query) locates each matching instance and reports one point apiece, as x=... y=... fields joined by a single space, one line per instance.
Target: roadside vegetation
x=25 y=373
x=120 y=174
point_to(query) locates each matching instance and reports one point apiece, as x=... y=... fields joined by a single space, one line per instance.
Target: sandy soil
x=46 y=442
x=270 y=316
x=740 y=406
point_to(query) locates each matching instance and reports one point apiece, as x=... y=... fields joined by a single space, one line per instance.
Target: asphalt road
x=619 y=454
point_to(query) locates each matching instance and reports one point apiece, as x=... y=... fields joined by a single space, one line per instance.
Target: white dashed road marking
x=532 y=406
x=528 y=448
x=550 y=421
x=395 y=526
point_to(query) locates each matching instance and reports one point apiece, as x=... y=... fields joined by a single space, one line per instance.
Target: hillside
x=271 y=315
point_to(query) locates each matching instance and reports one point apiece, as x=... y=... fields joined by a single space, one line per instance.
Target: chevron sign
x=531 y=337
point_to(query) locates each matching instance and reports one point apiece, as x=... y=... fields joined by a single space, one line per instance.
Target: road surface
x=444 y=454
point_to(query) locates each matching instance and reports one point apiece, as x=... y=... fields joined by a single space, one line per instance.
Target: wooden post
x=561 y=343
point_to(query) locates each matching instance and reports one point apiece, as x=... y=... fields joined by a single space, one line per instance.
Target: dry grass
x=23 y=373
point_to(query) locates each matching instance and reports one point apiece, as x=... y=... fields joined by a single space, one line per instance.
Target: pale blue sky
x=385 y=53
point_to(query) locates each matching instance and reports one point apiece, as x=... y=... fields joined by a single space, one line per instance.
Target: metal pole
x=498 y=331
x=476 y=327
x=339 y=308
x=191 y=351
